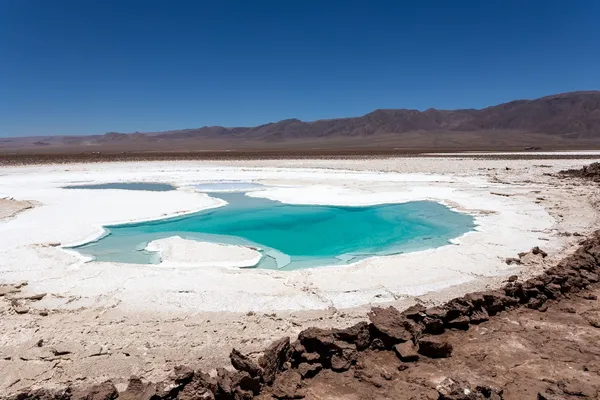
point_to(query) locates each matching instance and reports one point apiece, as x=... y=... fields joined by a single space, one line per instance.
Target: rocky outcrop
x=591 y=172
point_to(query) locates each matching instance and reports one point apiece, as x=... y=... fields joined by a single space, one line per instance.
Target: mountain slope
x=561 y=120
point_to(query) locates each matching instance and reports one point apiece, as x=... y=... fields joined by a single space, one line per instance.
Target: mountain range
x=561 y=121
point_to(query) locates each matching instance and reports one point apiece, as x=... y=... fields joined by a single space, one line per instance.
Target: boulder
x=243 y=363
x=274 y=357
x=461 y=323
x=457 y=308
x=288 y=385
x=138 y=390
x=201 y=386
x=406 y=351
x=415 y=312
x=436 y=312
x=433 y=325
x=391 y=323
x=479 y=316
x=358 y=334
x=339 y=363
x=535 y=303
x=310 y=357
x=103 y=391
x=434 y=347
x=316 y=340
x=181 y=373
x=307 y=370
x=553 y=290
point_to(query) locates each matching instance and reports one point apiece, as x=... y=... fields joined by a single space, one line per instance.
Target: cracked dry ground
x=523 y=353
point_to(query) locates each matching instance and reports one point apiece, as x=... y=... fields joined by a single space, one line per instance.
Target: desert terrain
x=71 y=322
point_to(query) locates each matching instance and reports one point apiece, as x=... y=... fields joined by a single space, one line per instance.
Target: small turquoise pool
x=292 y=236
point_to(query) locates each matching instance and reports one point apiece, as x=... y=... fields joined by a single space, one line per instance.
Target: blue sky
x=84 y=67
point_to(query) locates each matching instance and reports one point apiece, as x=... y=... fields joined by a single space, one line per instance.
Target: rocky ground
x=538 y=339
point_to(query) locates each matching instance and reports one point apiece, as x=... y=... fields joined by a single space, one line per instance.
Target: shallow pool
x=292 y=236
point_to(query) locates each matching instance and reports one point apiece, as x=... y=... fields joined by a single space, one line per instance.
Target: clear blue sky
x=92 y=66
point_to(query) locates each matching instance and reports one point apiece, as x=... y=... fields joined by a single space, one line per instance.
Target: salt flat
x=517 y=205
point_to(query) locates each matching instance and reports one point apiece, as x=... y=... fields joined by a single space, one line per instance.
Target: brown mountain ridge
x=569 y=120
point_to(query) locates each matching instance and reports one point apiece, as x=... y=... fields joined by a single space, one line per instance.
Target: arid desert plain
x=106 y=320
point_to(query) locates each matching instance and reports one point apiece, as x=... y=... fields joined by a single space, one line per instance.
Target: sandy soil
x=101 y=330
x=11 y=207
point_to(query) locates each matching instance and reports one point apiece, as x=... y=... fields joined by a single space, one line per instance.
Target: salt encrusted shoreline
x=144 y=311
x=506 y=224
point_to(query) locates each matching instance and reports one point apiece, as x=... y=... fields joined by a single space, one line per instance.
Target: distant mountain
x=561 y=120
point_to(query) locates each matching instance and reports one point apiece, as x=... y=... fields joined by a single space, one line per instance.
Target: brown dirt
x=62 y=157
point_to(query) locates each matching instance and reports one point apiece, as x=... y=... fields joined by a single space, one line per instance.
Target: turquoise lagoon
x=292 y=236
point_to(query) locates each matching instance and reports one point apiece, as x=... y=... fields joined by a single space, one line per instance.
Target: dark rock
x=243 y=363
x=103 y=391
x=415 y=312
x=537 y=251
x=240 y=394
x=247 y=383
x=479 y=316
x=340 y=363
x=274 y=357
x=457 y=308
x=310 y=357
x=44 y=394
x=513 y=261
x=377 y=344
x=513 y=278
x=433 y=325
x=535 y=303
x=434 y=347
x=392 y=324
x=496 y=301
x=406 y=351
x=461 y=322
x=589 y=276
x=436 y=312
x=514 y=290
x=138 y=390
x=309 y=370
x=553 y=290
x=201 y=386
x=288 y=385
x=181 y=373
x=225 y=384
x=358 y=334
x=320 y=341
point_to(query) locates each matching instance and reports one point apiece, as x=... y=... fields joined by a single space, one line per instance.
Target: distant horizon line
x=8 y=136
